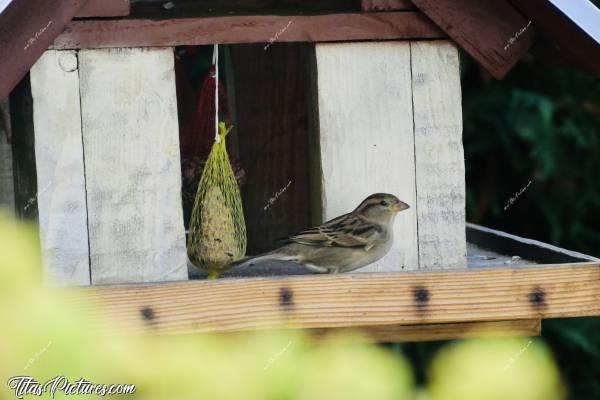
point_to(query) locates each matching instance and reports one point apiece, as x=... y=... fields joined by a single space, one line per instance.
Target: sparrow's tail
x=281 y=254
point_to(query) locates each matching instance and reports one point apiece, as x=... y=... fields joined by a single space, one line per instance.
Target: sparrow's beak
x=400 y=206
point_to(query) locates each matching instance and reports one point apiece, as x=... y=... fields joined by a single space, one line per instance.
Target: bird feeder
x=331 y=101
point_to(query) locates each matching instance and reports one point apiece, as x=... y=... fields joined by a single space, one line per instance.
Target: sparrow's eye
x=384 y=203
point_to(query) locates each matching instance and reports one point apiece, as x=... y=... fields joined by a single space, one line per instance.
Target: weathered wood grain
x=105 y=8
x=27 y=28
x=492 y=32
x=272 y=127
x=133 y=176
x=60 y=198
x=350 y=300
x=366 y=136
x=439 y=158
x=7 y=189
x=246 y=29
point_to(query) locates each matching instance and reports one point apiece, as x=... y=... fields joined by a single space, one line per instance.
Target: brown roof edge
x=565 y=42
x=27 y=28
x=491 y=31
x=105 y=8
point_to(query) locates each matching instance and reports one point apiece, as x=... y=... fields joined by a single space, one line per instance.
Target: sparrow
x=345 y=243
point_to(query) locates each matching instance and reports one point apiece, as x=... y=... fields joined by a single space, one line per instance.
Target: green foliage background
x=539 y=124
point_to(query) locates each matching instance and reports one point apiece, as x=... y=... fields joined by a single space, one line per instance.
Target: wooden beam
x=425 y=332
x=492 y=32
x=246 y=29
x=350 y=300
x=197 y=8
x=105 y=8
x=386 y=5
x=28 y=27
x=433 y=332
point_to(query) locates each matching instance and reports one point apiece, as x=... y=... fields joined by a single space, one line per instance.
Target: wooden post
x=7 y=190
x=23 y=151
x=60 y=171
x=132 y=167
x=439 y=159
x=390 y=121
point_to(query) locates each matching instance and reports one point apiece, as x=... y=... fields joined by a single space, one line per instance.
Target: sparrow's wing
x=345 y=231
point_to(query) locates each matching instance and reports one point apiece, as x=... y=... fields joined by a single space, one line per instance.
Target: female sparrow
x=345 y=243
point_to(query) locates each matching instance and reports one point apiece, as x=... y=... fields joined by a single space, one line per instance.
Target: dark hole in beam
x=537 y=297
x=147 y=313
x=286 y=297
x=421 y=296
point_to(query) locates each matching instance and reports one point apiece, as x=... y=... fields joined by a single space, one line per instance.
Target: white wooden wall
x=108 y=170
x=366 y=137
x=133 y=173
x=61 y=197
x=107 y=155
x=390 y=121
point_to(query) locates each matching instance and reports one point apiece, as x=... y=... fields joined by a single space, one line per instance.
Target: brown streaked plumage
x=345 y=243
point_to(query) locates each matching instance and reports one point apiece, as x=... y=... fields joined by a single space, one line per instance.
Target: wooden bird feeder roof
x=496 y=33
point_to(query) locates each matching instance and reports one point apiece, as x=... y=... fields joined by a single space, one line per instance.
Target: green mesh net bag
x=217 y=234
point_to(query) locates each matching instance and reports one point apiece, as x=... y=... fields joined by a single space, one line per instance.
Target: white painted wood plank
x=133 y=176
x=60 y=172
x=366 y=136
x=7 y=187
x=439 y=155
